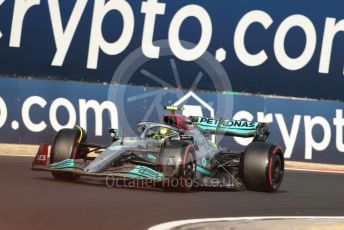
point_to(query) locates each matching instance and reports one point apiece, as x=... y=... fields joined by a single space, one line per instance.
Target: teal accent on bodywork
x=232 y=93
x=143 y=171
x=127 y=175
x=151 y=156
x=148 y=156
x=204 y=162
x=115 y=147
x=229 y=126
x=65 y=164
x=203 y=170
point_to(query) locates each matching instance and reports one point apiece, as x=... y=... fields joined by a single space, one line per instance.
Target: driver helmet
x=163 y=131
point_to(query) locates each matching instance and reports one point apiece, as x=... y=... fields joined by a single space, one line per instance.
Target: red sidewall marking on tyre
x=75 y=148
x=184 y=184
x=270 y=165
x=184 y=160
x=74 y=153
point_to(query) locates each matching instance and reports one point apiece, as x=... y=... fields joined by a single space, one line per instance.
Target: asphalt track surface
x=34 y=200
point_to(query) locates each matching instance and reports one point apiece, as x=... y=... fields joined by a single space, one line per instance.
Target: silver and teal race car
x=177 y=154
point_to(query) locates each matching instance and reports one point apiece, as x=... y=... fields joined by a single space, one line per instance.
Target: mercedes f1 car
x=177 y=153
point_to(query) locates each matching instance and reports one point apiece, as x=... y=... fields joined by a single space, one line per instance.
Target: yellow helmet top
x=163 y=131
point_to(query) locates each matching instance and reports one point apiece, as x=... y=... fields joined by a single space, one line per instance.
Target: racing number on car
x=42 y=157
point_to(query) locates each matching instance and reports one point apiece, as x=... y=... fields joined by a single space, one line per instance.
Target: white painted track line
x=315 y=170
x=173 y=224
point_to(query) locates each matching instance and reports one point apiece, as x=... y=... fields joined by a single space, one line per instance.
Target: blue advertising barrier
x=32 y=111
x=269 y=47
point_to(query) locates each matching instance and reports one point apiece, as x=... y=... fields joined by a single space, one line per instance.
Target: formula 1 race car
x=178 y=154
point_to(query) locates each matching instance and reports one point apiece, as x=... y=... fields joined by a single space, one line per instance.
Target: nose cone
x=93 y=169
x=104 y=160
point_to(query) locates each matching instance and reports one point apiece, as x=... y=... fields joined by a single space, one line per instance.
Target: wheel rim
x=189 y=169
x=277 y=171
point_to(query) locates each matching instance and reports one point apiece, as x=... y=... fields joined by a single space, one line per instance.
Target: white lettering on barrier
x=239 y=37
x=21 y=7
x=289 y=139
x=331 y=29
x=279 y=44
x=266 y=118
x=98 y=109
x=97 y=41
x=310 y=143
x=190 y=54
x=338 y=121
x=151 y=8
x=1 y=1
x=62 y=103
x=3 y=112
x=70 y=112
x=289 y=135
x=63 y=38
x=243 y=115
x=28 y=103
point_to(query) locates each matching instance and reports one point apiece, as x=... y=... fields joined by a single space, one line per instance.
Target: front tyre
x=66 y=145
x=262 y=167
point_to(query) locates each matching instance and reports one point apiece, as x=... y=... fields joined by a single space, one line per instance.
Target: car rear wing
x=258 y=130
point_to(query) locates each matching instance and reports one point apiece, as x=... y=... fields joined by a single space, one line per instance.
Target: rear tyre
x=66 y=146
x=262 y=167
x=178 y=163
